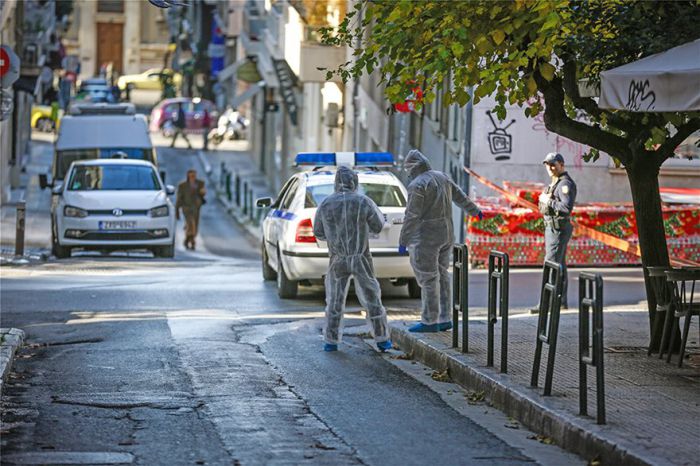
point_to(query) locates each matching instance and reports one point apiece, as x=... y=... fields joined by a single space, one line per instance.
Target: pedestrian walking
x=206 y=125
x=556 y=204
x=345 y=220
x=179 y=125
x=190 y=198
x=428 y=235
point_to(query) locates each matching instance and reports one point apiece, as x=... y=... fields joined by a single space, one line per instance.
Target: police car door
x=282 y=218
x=270 y=225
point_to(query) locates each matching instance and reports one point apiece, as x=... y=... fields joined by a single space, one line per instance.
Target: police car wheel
x=413 y=288
x=268 y=272
x=286 y=288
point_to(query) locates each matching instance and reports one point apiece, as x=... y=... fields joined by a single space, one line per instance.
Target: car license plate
x=117 y=225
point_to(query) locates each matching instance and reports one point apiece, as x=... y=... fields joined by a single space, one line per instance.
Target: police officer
x=556 y=204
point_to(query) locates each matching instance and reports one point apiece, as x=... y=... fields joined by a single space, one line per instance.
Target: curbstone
x=10 y=340
x=537 y=413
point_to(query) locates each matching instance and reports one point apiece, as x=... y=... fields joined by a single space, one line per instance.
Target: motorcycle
x=231 y=126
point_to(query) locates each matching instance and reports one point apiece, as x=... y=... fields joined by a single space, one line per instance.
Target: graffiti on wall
x=571 y=150
x=500 y=142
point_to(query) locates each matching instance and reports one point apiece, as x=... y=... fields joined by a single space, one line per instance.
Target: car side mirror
x=44 y=181
x=57 y=189
x=162 y=175
x=264 y=202
x=169 y=189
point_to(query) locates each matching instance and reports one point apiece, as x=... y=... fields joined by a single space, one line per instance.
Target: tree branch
x=556 y=120
x=666 y=149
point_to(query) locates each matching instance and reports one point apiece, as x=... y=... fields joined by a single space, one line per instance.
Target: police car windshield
x=384 y=195
x=113 y=178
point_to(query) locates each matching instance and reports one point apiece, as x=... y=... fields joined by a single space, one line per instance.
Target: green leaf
x=547 y=71
x=457 y=49
x=498 y=36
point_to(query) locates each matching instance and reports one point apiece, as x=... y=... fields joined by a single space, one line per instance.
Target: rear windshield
x=66 y=157
x=384 y=195
x=113 y=178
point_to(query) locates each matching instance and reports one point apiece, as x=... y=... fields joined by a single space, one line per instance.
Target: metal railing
x=460 y=295
x=590 y=346
x=499 y=270
x=548 y=323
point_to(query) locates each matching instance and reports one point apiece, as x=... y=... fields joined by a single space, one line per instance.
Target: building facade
x=131 y=35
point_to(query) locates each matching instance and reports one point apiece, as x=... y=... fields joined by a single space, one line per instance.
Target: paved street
x=138 y=360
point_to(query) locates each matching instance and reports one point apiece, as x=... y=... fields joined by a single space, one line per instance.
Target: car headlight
x=161 y=211
x=70 y=211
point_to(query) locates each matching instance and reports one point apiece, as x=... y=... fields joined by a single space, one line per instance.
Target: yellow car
x=149 y=79
x=41 y=118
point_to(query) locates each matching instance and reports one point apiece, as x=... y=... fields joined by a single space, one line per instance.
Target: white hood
x=125 y=200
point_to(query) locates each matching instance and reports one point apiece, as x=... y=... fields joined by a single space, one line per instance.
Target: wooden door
x=110 y=40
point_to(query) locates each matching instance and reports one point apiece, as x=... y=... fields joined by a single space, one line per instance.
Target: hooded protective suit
x=428 y=233
x=345 y=219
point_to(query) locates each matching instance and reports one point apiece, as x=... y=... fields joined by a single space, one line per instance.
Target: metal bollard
x=548 y=323
x=251 y=208
x=238 y=190
x=499 y=271
x=19 y=227
x=460 y=295
x=590 y=296
x=222 y=175
x=245 y=198
x=228 y=186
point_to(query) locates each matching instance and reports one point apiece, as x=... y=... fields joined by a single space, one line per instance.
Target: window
x=289 y=197
x=110 y=6
x=67 y=157
x=113 y=178
x=384 y=195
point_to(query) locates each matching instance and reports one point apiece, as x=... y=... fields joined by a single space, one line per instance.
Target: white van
x=99 y=131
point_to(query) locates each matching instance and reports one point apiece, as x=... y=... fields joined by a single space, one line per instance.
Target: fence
x=460 y=295
x=548 y=323
x=590 y=295
x=499 y=271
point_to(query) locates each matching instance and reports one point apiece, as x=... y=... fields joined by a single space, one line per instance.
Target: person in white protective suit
x=345 y=219
x=428 y=234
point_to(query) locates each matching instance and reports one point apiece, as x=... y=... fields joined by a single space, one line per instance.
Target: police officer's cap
x=553 y=157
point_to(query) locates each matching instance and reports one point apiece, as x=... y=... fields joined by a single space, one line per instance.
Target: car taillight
x=305 y=232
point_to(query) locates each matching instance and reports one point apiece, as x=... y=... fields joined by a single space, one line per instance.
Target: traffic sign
x=9 y=66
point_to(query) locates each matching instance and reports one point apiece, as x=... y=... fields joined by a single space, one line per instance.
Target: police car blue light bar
x=353 y=159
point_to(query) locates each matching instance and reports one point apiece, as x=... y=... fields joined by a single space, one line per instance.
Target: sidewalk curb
x=12 y=338
x=578 y=435
x=205 y=163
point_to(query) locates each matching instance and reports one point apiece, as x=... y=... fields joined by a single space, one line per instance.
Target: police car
x=291 y=253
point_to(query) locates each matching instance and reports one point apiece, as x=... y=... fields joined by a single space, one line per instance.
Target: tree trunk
x=644 y=182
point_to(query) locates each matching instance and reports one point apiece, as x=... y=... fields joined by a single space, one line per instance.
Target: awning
x=666 y=82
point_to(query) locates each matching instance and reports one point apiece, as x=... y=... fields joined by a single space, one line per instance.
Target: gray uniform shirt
x=561 y=203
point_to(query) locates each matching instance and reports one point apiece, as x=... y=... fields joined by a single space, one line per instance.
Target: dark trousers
x=555 y=243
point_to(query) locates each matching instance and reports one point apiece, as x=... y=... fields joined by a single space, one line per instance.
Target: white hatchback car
x=111 y=204
x=292 y=255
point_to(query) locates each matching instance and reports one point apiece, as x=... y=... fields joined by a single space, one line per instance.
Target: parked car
x=41 y=118
x=148 y=80
x=165 y=113
x=113 y=204
x=93 y=131
x=291 y=253
x=96 y=90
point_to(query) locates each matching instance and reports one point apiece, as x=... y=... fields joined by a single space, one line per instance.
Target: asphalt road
x=195 y=360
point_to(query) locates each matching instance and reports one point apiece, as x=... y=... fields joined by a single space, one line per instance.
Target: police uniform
x=557 y=220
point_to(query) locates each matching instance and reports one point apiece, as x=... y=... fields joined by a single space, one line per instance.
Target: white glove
x=544 y=198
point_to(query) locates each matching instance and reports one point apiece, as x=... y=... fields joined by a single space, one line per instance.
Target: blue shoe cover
x=330 y=347
x=384 y=345
x=444 y=326
x=420 y=327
